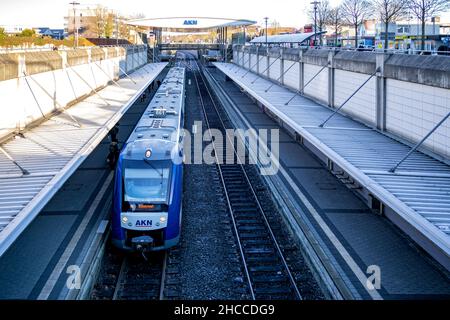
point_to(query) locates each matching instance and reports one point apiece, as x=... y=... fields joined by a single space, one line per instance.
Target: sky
x=50 y=13
x=40 y=13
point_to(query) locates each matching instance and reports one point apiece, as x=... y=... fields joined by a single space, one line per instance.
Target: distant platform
x=418 y=193
x=52 y=151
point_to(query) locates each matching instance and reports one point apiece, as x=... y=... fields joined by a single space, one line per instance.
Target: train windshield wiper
x=161 y=173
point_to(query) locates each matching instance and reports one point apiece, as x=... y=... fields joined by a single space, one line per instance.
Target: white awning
x=189 y=24
x=286 y=38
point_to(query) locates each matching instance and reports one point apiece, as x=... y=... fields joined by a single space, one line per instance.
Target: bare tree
x=137 y=15
x=389 y=11
x=355 y=12
x=335 y=20
x=274 y=27
x=101 y=17
x=109 y=25
x=122 y=28
x=426 y=9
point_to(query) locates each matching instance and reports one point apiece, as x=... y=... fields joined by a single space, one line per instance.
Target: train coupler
x=142 y=244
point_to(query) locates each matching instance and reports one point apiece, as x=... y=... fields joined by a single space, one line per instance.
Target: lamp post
x=75 y=29
x=315 y=3
x=266 y=19
x=117 y=29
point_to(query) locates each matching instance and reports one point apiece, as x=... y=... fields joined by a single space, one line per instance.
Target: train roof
x=160 y=125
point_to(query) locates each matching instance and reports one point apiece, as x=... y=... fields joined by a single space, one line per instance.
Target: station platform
x=347 y=236
x=70 y=229
x=37 y=162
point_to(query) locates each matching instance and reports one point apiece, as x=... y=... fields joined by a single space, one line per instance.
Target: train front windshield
x=147 y=182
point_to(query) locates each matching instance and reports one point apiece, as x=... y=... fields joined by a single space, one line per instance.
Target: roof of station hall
x=190 y=24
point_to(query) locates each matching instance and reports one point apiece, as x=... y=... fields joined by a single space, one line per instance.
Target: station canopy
x=286 y=38
x=190 y=24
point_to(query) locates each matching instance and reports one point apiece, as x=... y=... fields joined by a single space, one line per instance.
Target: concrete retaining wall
x=407 y=97
x=317 y=87
x=363 y=104
x=40 y=83
x=415 y=109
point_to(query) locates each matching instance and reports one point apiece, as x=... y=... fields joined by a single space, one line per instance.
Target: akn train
x=148 y=184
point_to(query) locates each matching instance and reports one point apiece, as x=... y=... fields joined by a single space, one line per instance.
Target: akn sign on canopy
x=190 y=22
x=186 y=23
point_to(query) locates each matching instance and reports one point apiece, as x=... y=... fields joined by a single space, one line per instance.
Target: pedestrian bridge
x=189 y=46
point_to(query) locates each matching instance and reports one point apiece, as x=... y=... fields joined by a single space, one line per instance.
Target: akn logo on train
x=144 y=223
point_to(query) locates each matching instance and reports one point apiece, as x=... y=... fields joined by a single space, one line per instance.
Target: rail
x=365 y=49
x=251 y=260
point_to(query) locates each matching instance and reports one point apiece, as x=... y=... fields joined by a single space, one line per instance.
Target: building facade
x=95 y=22
x=402 y=35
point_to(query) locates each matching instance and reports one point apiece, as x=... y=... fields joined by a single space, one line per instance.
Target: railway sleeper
x=273 y=290
x=243 y=222
x=266 y=268
x=241 y=199
x=262 y=259
x=245 y=212
x=249 y=235
x=254 y=228
x=260 y=281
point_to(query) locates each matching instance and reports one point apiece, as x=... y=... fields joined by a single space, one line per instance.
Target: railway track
x=267 y=272
x=140 y=279
x=130 y=277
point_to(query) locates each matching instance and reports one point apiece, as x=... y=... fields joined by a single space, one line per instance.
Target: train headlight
x=162 y=219
x=124 y=219
x=148 y=153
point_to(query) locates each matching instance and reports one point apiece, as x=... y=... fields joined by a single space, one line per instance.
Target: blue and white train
x=148 y=185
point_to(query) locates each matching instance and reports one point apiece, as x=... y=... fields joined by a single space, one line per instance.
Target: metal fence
x=394 y=51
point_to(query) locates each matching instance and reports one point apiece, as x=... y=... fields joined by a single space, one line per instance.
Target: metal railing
x=364 y=49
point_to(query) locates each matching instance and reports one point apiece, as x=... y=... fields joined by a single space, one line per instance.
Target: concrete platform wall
x=414 y=110
x=363 y=104
x=407 y=95
x=35 y=84
x=318 y=87
x=253 y=62
x=291 y=76
x=275 y=68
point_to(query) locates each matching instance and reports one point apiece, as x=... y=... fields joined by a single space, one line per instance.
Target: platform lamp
x=315 y=3
x=266 y=19
x=75 y=29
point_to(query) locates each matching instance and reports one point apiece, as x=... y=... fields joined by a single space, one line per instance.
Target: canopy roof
x=189 y=24
x=286 y=38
